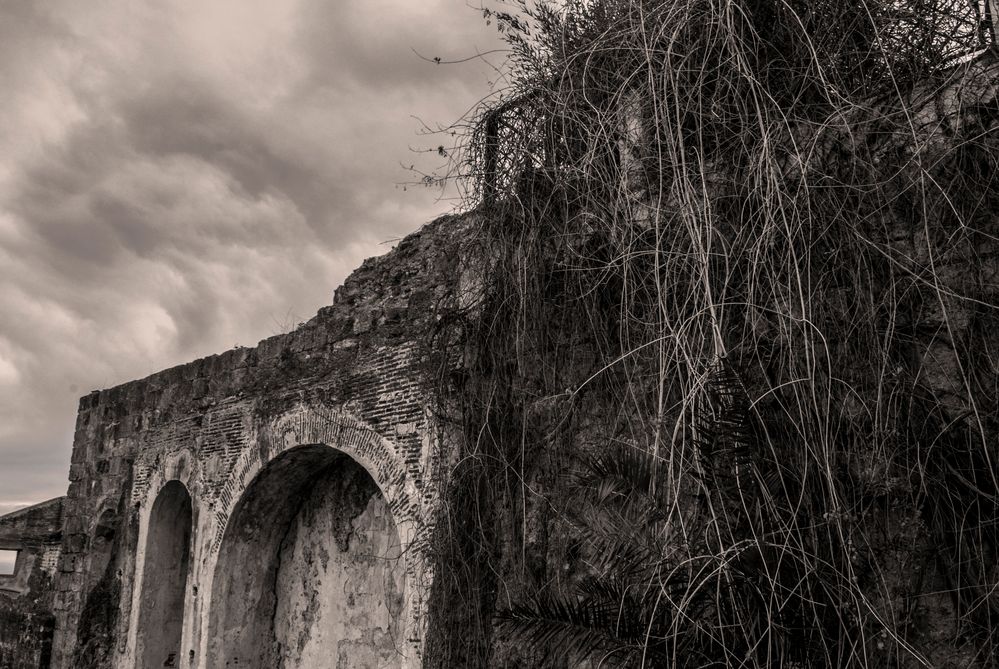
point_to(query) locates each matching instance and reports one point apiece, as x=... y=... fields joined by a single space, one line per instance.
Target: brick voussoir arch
x=311 y=424
x=306 y=424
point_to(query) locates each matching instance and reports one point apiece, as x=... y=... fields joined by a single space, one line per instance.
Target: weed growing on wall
x=728 y=390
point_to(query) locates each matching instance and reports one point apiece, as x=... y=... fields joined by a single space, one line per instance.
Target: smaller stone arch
x=166 y=564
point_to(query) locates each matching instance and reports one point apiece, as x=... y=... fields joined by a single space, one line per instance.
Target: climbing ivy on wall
x=727 y=387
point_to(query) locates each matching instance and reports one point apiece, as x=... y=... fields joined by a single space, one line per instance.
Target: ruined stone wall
x=350 y=380
x=26 y=622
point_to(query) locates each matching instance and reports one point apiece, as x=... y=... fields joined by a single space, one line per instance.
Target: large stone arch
x=314 y=554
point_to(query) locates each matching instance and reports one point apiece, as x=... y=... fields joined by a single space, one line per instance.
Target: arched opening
x=164 y=579
x=310 y=571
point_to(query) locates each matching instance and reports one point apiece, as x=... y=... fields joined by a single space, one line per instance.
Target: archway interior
x=164 y=579
x=310 y=572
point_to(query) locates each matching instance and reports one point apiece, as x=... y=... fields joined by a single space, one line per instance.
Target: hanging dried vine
x=728 y=390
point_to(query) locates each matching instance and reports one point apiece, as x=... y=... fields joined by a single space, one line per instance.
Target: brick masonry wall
x=201 y=422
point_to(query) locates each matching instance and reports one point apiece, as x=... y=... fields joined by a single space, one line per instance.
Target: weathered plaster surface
x=342 y=599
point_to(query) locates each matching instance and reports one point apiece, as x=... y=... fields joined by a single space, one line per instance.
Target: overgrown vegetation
x=729 y=379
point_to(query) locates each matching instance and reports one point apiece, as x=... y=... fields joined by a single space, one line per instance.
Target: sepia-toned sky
x=181 y=176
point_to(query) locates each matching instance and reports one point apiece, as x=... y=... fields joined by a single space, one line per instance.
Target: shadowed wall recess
x=161 y=616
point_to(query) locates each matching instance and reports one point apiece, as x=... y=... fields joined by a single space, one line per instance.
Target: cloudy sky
x=181 y=176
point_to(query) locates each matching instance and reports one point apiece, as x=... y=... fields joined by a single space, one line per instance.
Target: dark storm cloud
x=180 y=177
x=189 y=118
